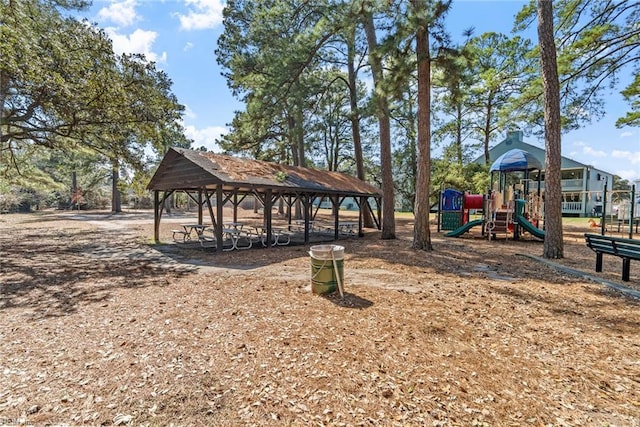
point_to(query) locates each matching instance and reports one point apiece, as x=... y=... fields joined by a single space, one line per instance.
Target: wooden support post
x=268 y=215
x=200 y=205
x=219 y=209
x=306 y=203
x=362 y=205
x=335 y=202
x=235 y=205
x=210 y=208
x=156 y=216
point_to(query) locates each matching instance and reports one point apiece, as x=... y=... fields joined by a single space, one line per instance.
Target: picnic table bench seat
x=627 y=249
x=180 y=235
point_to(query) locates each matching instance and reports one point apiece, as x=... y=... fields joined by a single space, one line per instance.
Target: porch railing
x=572 y=207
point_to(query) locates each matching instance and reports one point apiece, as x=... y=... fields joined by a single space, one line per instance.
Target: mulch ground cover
x=100 y=326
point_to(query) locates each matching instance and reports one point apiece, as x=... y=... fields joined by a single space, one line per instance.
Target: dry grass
x=100 y=327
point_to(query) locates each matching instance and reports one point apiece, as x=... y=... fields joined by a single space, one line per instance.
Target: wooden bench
x=627 y=249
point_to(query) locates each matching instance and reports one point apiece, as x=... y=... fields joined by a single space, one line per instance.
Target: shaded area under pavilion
x=213 y=180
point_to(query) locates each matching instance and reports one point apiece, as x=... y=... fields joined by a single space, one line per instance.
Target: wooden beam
x=200 y=206
x=360 y=215
x=156 y=216
x=158 y=204
x=210 y=208
x=335 y=202
x=219 y=209
x=306 y=203
x=268 y=215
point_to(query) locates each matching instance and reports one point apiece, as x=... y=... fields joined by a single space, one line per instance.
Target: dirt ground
x=100 y=326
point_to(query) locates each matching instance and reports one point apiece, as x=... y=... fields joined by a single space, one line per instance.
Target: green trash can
x=324 y=278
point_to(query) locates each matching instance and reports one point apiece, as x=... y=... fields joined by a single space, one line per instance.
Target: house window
x=534 y=176
x=572 y=174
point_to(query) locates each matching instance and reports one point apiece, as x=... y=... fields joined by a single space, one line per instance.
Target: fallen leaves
x=440 y=339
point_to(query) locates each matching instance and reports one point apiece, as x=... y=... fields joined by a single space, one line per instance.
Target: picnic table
x=236 y=235
x=189 y=232
x=280 y=236
x=348 y=228
x=234 y=225
x=299 y=225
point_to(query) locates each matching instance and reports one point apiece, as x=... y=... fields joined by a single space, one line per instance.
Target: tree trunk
x=295 y=155
x=487 y=134
x=421 y=231
x=74 y=190
x=412 y=140
x=382 y=112
x=367 y=218
x=553 y=243
x=459 y=153
x=116 y=203
x=299 y=135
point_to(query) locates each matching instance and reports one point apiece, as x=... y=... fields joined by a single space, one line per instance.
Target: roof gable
x=183 y=169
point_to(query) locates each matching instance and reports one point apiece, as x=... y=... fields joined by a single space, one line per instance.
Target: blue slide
x=535 y=231
x=464 y=228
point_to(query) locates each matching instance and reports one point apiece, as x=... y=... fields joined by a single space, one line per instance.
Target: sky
x=181 y=35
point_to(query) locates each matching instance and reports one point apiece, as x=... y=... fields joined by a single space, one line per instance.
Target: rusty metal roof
x=183 y=169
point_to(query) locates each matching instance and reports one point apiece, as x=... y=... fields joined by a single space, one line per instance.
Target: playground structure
x=454 y=211
x=511 y=218
x=508 y=208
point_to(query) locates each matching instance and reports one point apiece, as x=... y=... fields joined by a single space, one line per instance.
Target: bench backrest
x=627 y=248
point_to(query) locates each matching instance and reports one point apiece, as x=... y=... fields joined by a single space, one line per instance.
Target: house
x=582 y=185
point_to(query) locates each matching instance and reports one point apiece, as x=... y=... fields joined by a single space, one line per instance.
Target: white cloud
x=122 y=13
x=205 y=137
x=579 y=144
x=202 y=14
x=188 y=46
x=140 y=41
x=594 y=153
x=189 y=113
x=633 y=157
x=626 y=134
x=630 y=175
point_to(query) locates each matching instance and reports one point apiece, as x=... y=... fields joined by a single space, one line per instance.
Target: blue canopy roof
x=516 y=160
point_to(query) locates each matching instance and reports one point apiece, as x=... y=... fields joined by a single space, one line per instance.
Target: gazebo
x=213 y=180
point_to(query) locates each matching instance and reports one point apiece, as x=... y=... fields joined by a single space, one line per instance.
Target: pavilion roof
x=184 y=169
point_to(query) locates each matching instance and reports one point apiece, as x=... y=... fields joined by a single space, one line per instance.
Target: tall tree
x=553 y=242
x=421 y=231
x=596 y=40
x=350 y=39
x=50 y=78
x=405 y=155
x=427 y=19
x=62 y=88
x=266 y=65
x=501 y=68
x=451 y=86
x=632 y=96
x=381 y=107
